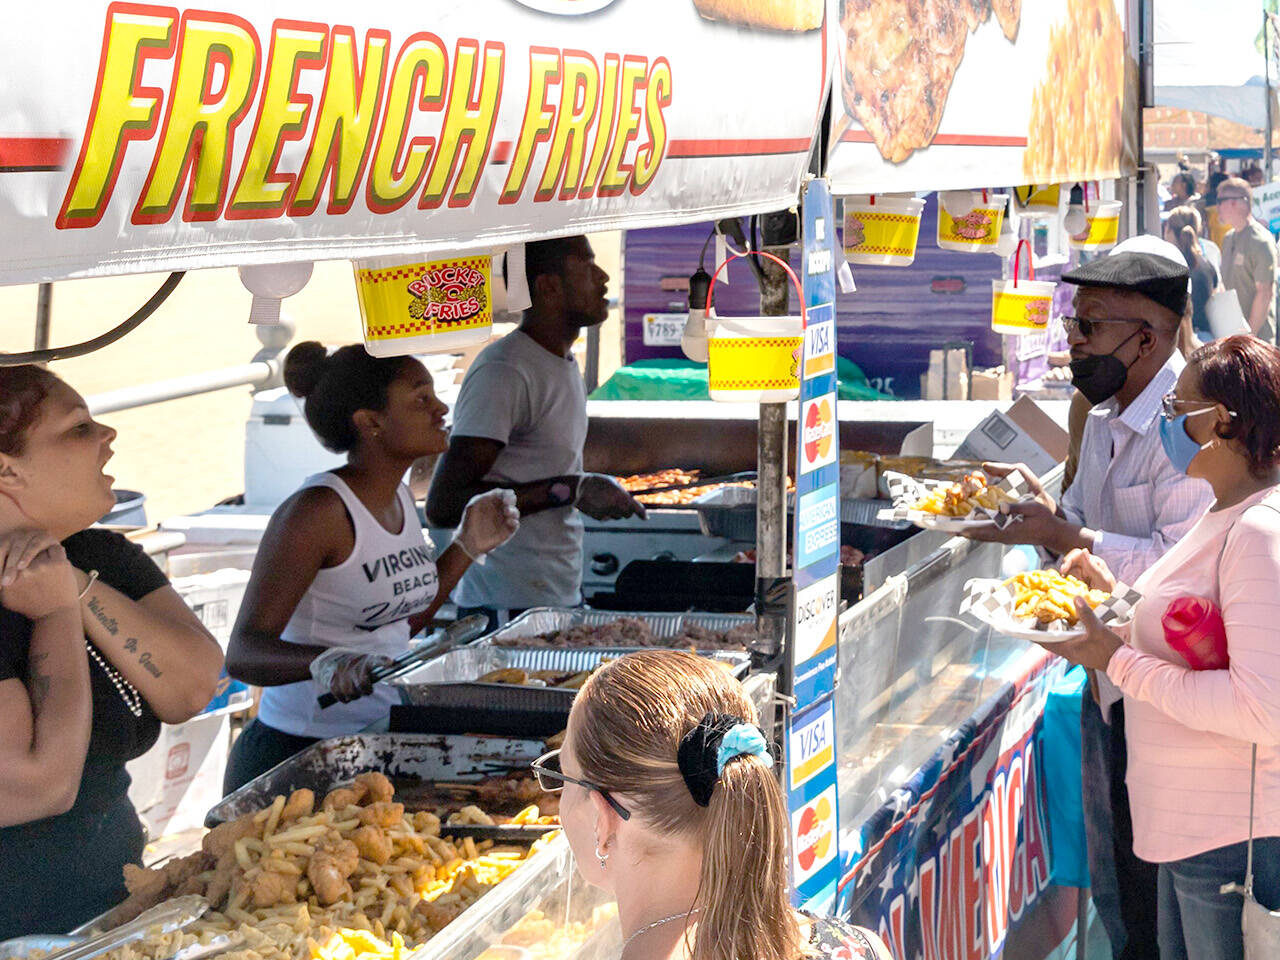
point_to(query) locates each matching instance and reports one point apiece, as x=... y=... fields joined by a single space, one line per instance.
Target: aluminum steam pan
x=428 y=757
x=467 y=664
x=540 y=620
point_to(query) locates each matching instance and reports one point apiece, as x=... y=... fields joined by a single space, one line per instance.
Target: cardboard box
x=180 y=778
x=993 y=384
x=1022 y=434
x=948 y=376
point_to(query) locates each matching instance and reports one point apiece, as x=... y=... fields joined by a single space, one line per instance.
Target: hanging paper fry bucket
x=1103 y=217
x=755 y=359
x=881 y=231
x=976 y=230
x=1019 y=307
x=1041 y=201
x=424 y=306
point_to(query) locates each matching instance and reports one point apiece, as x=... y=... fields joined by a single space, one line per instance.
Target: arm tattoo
x=38 y=683
x=108 y=623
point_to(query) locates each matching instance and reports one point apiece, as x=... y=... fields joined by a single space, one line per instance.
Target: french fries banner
x=138 y=137
x=956 y=94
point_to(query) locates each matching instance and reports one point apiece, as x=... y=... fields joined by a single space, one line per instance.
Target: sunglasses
x=546 y=770
x=1222 y=199
x=1169 y=405
x=1087 y=327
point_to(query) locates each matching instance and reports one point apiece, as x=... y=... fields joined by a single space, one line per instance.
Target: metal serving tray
x=731 y=513
x=542 y=620
x=429 y=757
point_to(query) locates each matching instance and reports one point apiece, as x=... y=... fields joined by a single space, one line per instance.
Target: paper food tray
x=430 y=757
x=542 y=620
x=992 y=602
x=904 y=491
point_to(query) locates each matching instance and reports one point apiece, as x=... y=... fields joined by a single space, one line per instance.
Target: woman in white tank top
x=344 y=562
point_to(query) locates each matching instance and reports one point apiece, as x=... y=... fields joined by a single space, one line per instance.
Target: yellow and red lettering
x=196 y=141
x=282 y=117
x=398 y=167
x=658 y=98
x=544 y=72
x=344 y=125
x=121 y=110
x=617 y=173
x=579 y=97
x=604 y=126
x=468 y=124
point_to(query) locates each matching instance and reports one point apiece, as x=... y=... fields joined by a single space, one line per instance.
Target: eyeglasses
x=546 y=770
x=1169 y=404
x=1086 y=327
x=1227 y=199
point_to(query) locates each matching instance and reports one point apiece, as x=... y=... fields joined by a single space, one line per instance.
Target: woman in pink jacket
x=1191 y=732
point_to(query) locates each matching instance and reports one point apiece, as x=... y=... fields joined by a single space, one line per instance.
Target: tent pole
x=1266 y=51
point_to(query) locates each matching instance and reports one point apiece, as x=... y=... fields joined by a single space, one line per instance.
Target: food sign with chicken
x=953 y=94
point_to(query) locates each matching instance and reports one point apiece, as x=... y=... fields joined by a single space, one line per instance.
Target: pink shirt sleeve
x=1242 y=701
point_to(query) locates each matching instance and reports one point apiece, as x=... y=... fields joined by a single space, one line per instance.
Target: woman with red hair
x=1193 y=719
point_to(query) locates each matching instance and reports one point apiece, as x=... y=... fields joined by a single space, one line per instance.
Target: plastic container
x=1193 y=628
x=1037 y=201
x=130 y=510
x=976 y=230
x=882 y=231
x=424 y=306
x=1019 y=307
x=755 y=359
x=1103 y=231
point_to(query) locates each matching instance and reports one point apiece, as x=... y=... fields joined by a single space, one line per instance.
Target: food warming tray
x=427 y=757
x=540 y=620
x=731 y=513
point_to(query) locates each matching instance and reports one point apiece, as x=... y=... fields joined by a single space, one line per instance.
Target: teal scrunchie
x=744 y=739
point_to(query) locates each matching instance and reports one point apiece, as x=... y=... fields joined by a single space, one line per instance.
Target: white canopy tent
x=1206 y=59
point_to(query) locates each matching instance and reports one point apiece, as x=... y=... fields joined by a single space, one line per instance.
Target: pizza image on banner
x=813 y=836
x=818 y=421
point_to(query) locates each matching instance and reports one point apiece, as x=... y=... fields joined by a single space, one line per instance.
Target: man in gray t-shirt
x=1248 y=258
x=520 y=423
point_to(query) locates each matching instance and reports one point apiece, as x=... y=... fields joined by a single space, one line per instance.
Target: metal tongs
x=170 y=916
x=702 y=482
x=457 y=633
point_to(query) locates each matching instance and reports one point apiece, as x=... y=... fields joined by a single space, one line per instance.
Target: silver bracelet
x=93 y=576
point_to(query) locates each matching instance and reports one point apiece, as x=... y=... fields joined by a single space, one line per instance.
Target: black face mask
x=1099 y=377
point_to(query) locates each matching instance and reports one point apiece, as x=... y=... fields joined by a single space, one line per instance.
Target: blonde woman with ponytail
x=1182 y=228
x=670 y=803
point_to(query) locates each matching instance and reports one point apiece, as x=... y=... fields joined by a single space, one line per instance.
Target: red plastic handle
x=1017 y=262
x=734 y=255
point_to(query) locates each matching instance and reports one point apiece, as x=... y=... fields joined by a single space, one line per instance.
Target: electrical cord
x=106 y=339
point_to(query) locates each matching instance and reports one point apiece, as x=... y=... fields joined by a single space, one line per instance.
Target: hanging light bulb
x=1075 y=222
x=694 y=339
x=1007 y=242
x=270 y=283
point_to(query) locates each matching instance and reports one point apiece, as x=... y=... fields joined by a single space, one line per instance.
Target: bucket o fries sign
x=1019 y=307
x=425 y=307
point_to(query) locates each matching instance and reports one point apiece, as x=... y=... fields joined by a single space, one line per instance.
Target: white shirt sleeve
x=493 y=402
x=1179 y=502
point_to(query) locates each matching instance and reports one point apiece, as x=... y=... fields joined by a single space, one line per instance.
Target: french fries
x=961 y=498
x=1047 y=596
x=365 y=881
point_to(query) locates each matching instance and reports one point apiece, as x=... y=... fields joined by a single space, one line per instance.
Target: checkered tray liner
x=905 y=491
x=992 y=602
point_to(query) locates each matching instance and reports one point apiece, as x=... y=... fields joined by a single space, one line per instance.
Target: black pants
x=1124 y=887
x=258 y=749
x=66 y=870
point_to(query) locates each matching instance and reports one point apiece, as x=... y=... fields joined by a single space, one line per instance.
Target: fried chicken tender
x=330 y=866
x=221 y=840
x=379 y=788
x=269 y=889
x=438 y=917
x=373 y=844
x=382 y=814
x=302 y=803
x=342 y=797
x=142 y=883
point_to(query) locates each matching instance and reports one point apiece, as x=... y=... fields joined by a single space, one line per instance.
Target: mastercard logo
x=815 y=834
x=819 y=430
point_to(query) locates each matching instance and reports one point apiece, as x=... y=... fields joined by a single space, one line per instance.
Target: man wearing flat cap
x=1127 y=505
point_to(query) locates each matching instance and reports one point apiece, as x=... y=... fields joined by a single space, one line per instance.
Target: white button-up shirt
x=1126 y=489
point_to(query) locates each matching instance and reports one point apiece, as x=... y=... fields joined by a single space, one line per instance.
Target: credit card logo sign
x=819 y=345
x=819 y=433
x=818 y=519
x=814 y=838
x=811 y=748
